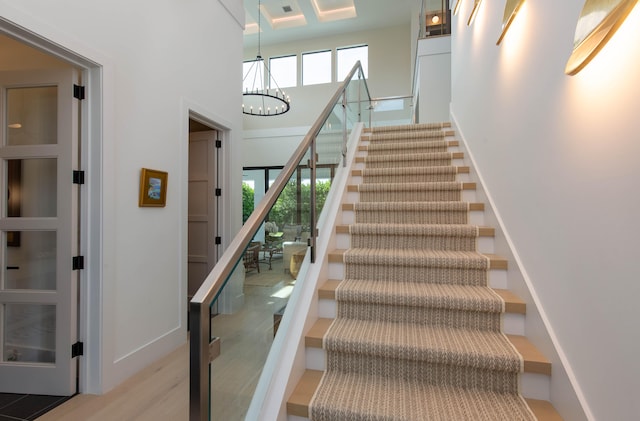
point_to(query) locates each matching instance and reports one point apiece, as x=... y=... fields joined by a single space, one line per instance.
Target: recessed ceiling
x=319 y=18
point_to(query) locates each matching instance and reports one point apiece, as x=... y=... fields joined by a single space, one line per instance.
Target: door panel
x=38 y=232
x=202 y=208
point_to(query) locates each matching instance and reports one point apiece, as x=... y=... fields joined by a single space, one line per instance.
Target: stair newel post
x=199 y=362
x=312 y=211
x=344 y=128
x=360 y=77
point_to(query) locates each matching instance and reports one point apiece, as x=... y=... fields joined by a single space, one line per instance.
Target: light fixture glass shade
x=599 y=20
x=510 y=12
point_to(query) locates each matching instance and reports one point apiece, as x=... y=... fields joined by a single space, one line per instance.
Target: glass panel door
x=38 y=232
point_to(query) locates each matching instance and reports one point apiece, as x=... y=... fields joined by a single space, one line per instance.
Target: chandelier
x=257 y=99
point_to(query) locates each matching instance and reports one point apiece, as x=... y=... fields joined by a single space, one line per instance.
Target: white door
x=39 y=232
x=202 y=208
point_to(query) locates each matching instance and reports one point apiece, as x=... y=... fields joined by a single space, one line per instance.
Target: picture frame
x=153 y=188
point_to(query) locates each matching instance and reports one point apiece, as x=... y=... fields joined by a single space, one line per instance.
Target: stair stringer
x=286 y=361
x=563 y=390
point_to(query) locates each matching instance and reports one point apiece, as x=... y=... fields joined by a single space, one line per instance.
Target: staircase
x=416 y=322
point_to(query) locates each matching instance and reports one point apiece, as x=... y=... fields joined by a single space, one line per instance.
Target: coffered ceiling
x=287 y=20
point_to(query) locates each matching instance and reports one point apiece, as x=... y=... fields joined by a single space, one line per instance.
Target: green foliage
x=287 y=210
x=247 y=201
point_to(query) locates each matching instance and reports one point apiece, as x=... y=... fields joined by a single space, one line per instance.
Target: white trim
x=536 y=300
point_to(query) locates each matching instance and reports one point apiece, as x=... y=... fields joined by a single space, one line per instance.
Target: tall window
x=250 y=78
x=284 y=71
x=316 y=68
x=348 y=56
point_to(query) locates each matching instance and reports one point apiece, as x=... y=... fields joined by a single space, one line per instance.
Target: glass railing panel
x=236 y=313
x=246 y=314
x=391 y=111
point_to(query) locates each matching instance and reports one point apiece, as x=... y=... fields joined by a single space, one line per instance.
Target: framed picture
x=153 y=188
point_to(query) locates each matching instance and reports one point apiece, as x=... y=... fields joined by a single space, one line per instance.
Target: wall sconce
x=510 y=12
x=599 y=20
x=457 y=7
x=474 y=12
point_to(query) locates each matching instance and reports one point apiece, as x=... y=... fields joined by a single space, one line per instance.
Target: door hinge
x=218 y=192
x=78 y=263
x=77 y=349
x=78 y=177
x=78 y=92
x=218 y=240
x=218 y=144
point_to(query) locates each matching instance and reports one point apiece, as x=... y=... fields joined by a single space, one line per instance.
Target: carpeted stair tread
x=419 y=258
x=411 y=127
x=411 y=192
x=368 y=255
x=487 y=350
x=420 y=294
x=354 y=397
x=512 y=303
x=411 y=187
x=534 y=360
x=419 y=159
x=417 y=236
x=298 y=402
x=388 y=148
x=442 y=212
x=480 y=231
x=409 y=174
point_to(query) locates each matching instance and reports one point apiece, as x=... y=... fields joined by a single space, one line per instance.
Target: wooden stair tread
x=534 y=361
x=513 y=304
x=472 y=206
x=495 y=261
x=459 y=170
x=482 y=231
x=298 y=402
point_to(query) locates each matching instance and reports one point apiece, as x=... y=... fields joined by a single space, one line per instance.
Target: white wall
x=434 y=70
x=559 y=157
x=157 y=61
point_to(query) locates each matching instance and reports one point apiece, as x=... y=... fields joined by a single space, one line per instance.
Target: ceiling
x=286 y=20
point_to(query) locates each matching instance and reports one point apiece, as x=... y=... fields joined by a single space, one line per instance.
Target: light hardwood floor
x=161 y=391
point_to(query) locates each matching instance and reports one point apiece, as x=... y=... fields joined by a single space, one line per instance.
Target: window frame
x=365 y=66
x=330 y=67
x=276 y=79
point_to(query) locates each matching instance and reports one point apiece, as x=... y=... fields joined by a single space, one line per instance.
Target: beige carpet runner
x=418 y=331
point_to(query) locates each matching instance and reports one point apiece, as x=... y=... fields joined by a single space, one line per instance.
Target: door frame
x=93 y=112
